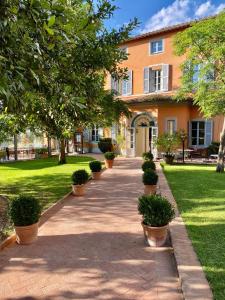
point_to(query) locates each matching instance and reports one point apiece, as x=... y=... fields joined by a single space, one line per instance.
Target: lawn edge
x=48 y=213
x=193 y=281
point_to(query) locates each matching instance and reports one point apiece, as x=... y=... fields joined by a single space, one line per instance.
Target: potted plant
x=167 y=143
x=109 y=159
x=79 y=178
x=25 y=212
x=157 y=212
x=105 y=145
x=148 y=164
x=150 y=179
x=147 y=156
x=41 y=152
x=96 y=167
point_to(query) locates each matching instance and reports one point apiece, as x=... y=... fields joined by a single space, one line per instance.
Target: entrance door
x=142 y=140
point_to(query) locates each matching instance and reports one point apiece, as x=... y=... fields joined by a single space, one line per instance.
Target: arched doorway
x=146 y=133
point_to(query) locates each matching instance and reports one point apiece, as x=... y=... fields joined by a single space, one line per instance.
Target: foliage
x=147 y=156
x=95 y=166
x=150 y=177
x=148 y=164
x=155 y=210
x=24 y=210
x=109 y=155
x=41 y=150
x=105 y=145
x=213 y=148
x=200 y=196
x=80 y=177
x=204 y=46
x=167 y=143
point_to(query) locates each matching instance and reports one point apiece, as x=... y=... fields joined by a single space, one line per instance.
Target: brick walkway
x=93 y=248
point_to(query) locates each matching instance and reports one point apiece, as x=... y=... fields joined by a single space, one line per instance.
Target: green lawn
x=200 y=194
x=43 y=178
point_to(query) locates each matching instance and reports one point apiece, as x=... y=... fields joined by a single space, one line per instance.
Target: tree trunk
x=15 y=147
x=220 y=163
x=67 y=146
x=62 y=152
x=49 y=147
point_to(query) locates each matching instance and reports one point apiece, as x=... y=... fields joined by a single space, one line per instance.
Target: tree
x=203 y=43
x=63 y=55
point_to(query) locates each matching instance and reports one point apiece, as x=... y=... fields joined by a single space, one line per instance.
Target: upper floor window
x=156 y=46
x=123 y=87
x=156 y=78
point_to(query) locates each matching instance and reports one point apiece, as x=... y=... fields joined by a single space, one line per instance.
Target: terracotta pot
x=78 y=189
x=96 y=175
x=150 y=189
x=109 y=163
x=155 y=236
x=26 y=234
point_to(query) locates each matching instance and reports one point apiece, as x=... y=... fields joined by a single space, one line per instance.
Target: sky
x=156 y=14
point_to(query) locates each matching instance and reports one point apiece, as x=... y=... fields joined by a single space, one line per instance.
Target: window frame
x=174 y=119
x=95 y=129
x=198 y=145
x=155 y=41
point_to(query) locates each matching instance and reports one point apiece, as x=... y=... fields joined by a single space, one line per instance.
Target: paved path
x=93 y=248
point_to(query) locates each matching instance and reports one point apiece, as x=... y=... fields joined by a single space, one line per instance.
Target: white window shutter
x=130 y=82
x=151 y=81
x=189 y=133
x=100 y=132
x=165 y=77
x=208 y=132
x=124 y=87
x=146 y=79
x=114 y=84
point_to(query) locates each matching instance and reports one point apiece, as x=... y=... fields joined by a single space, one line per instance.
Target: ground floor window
x=95 y=134
x=198 y=133
x=171 y=126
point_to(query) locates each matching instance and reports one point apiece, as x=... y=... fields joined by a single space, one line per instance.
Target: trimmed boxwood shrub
x=105 y=145
x=109 y=155
x=80 y=177
x=24 y=210
x=150 y=177
x=148 y=164
x=147 y=156
x=95 y=166
x=155 y=210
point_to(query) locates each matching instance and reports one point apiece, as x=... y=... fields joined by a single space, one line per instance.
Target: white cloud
x=180 y=11
x=207 y=9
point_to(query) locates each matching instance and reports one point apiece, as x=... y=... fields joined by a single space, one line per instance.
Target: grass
x=42 y=178
x=200 y=194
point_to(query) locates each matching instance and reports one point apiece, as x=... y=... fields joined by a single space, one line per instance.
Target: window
x=171 y=126
x=156 y=46
x=157 y=80
x=198 y=133
x=95 y=134
x=123 y=87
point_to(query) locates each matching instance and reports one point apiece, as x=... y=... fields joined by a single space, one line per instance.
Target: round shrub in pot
x=147 y=156
x=148 y=164
x=96 y=167
x=109 y=159
x=25 y=212
x=79 y=178
x=105 y=145
x=157 y=212
x=150 y=179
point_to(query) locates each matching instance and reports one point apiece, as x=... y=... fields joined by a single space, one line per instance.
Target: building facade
x=154 y=73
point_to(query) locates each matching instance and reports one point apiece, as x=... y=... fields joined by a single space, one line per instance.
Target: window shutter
x=208 y=132
x=124 y=87
x=151 y=81
x=113 y=132
x=165 y=77
x=146 y=79
x=114 y=84
x=100 y=132
x=189 y=134
x=130 y=82
x=86 y=135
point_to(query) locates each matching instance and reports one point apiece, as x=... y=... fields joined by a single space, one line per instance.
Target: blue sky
x=155 y=14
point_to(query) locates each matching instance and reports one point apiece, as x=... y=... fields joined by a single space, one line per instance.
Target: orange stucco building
x=154 y=76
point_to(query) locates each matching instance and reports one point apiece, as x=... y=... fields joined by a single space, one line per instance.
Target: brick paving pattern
x=93 y=248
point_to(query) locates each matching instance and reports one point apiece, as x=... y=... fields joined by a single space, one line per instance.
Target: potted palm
x=109 y=159
x=79 y=178
x=148 y=164
x=96 y=167
x=25 y=212
x=150 y=179
x=157 y=212
x=147 y=156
